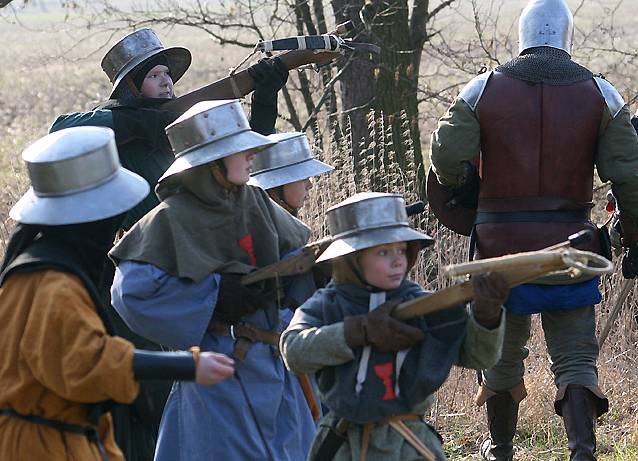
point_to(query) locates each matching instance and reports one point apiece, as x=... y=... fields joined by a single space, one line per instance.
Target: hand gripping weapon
x=516 y=269
x=628 y=284
x=301 y=51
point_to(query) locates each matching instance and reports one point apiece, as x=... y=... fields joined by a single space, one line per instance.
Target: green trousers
x=570 y=337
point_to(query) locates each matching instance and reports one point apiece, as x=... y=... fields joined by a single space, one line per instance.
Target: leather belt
x=244 y=334
x=567 y=216
x=87 y=431
x=531 y=204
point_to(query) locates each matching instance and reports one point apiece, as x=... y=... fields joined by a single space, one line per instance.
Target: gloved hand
x=379 y=330
x=235 y=300
x=630 y=262
x=467 y=193
x=270 y=75
x=490 y=292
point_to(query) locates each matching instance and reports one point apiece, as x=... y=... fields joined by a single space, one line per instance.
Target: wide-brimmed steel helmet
x=76 y=177
x=137 y=48
x=211 y=130
x=366 y=220
x=546 y=23
x=288 y=161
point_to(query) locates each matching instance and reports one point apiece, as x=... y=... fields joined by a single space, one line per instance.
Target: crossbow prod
x=295 y=52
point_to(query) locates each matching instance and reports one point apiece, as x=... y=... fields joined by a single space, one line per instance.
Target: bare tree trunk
x=389 y=87
x=357 y=81
x=396 y=77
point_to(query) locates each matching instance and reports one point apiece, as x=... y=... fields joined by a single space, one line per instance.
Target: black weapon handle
x=415 y=208
x=580 y=238
x=345 y=27
x=306 y=42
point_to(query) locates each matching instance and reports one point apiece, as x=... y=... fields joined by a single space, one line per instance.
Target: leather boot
x=579 y=415
x=502 y=416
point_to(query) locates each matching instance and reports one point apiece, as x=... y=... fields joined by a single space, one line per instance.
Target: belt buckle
x=232 y=332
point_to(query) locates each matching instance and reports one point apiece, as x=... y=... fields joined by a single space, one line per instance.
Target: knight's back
x=540 y=114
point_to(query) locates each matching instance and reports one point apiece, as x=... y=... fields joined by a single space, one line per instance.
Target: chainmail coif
x=547 y=65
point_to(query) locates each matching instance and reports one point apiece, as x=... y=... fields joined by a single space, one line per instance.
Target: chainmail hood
x=545 y=65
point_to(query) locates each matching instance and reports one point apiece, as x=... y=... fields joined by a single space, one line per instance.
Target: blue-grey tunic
x=315 y=343
x=267 y=419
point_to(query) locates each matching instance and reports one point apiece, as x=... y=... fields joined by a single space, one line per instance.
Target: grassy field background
x=51 y=66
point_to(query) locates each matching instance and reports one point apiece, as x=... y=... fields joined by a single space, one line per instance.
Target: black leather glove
x=630 y=263
x=270 y=75
x=379 y=330
x=235 y=300
x=467 y=193
x=490 y=292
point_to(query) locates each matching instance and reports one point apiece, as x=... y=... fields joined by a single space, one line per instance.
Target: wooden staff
x=309 y=394
x=516 y=269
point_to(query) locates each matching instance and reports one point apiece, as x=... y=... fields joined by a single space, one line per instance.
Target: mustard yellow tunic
x=56 y=355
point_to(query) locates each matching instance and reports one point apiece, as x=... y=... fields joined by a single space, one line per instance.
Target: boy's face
x=238 y=167
x=157 y=83
x=295 y=193
x=384 y=266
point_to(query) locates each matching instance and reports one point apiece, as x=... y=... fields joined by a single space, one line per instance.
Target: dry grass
x=541 y=434
x=46 y=73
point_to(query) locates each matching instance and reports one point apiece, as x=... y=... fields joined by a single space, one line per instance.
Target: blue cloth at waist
x=533 y=298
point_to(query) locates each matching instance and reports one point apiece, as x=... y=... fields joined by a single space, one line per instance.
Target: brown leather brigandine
x=538 y=143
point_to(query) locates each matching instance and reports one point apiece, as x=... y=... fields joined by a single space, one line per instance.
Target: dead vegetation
x=48 y=72
x=462 y=424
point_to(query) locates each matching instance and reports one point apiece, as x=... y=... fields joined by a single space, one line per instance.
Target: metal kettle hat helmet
x=546 y=23
x=366 y=220
x=288 y=161
x=135 y=49
x=208 y=131
x=76 y=177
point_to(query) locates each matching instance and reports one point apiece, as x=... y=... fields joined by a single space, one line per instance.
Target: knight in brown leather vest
x=536 y=128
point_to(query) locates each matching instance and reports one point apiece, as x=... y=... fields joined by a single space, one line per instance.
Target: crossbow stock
x=516 y=269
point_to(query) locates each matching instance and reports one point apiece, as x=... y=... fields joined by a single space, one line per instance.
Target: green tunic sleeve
x=100 y=117
x=457 y=139
x=482 y=347
x=617 y=159
x=307 y=350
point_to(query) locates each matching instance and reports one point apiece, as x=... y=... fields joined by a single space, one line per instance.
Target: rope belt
x=87 y=431
x=396 y=423
x=244 y=334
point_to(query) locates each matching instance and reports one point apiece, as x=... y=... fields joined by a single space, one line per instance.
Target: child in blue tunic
x=284 y=171
x=377 y=374
x=178 y=283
